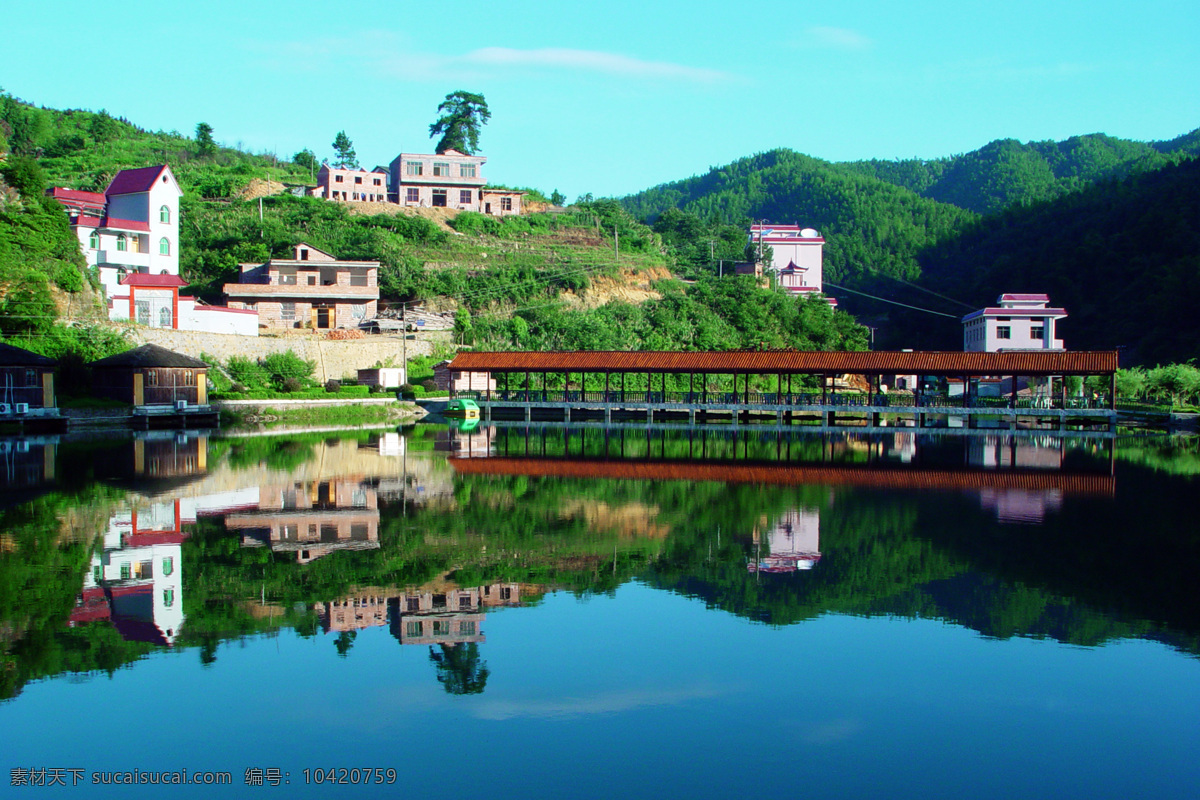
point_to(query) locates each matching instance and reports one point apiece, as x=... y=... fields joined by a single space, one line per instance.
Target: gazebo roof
x=150 y=355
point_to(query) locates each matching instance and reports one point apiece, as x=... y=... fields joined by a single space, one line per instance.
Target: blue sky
x=613 y=97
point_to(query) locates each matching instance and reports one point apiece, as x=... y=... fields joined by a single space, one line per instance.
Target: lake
x=580 y=611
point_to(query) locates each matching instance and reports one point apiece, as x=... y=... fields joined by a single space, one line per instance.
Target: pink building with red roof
x=796 y=255
x=1016 y=322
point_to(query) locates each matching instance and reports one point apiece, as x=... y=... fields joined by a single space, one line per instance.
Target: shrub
x=68 y=277
x=282 y=366
x=377 y=388
x=292 y=384
x=429 y=385
x=333 y=386
x=247 y=372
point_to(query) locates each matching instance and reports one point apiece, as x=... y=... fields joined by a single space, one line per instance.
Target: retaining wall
x=333 y=358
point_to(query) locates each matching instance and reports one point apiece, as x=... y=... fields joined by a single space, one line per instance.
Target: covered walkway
x=782 y=384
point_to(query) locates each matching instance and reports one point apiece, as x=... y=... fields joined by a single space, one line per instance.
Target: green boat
x=462 y=408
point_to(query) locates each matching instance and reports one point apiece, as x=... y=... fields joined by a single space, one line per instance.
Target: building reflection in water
x=443 y=615
x=27 y=463
x=792 y=543
x=1018 y=505
x=311 y=518
x=136 y=579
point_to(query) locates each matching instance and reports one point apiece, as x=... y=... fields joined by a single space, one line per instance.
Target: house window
x=287 y=312
x=337 y=178
x=358 y=280
x=358 y=179
x=466 y=628
x=152 y=377
x=164 y=214
x=126 y=571
x=1003 y=331
x=375 y=182
x=441 y=169
x=441 y=627
x=287 y=278
x=464 y=196
x=439 y=198
x=122 y=243
x=412 y=630
x=466 y=171
x=97 y=573
x=31 y=377
x=312 y=280
x=414 y=168
x=412 y=195
x=164 y=317
x=506 y=204
x=164 y=246
x=1037 y=331
x=168 y=597
x=94 y=241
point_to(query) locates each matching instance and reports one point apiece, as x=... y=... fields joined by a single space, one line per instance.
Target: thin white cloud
x=603 y=703
x=392 y=55
x=836 y=38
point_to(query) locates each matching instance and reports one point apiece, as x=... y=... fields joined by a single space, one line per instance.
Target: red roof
x=154 y=537
x=771 y=362
x=129 y=181
x=78 y=197
x=87 y=222
x=1026 y=298
x=1016 y=312
x=126 y=224
x=142 y=279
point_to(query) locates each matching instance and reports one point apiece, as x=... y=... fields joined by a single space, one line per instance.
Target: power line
x=893 y=302
x=923 y=289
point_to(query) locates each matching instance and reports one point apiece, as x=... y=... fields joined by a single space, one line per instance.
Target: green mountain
x=869 y=225
x=1123 y=257
x=1006 y=171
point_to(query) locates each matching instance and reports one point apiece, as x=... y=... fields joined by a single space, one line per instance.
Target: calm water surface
x=589 y=613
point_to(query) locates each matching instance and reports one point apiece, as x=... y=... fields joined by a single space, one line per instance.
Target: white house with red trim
x=796 y=255
x=155 y=301
x=1016 y=322
x=133 y=227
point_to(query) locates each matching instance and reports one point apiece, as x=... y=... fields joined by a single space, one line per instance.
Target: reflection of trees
x=345 y=641
x=459 y=669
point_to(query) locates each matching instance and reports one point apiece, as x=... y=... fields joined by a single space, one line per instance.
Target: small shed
x=151 y=376
x=26 y=381
x=387 y=377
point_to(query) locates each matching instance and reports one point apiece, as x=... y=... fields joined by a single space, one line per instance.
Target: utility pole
x=617 y=243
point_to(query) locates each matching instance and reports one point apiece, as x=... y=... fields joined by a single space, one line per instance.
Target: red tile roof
x=1026 y=298
x=78 y=197
x=142 y=279
x=112 y=223
x=129 y=181
x=1016 y=312
x=769 y=362
x=85 y=221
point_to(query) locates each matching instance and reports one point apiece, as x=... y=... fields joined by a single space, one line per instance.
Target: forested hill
x=1123 y=257
x=869 y=224
x=1006 y=171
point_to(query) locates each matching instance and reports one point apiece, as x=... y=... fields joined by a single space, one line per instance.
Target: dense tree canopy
x=463 y=115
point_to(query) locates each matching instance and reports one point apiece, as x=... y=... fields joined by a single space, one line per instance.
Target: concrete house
x=444 y=180
x=1017 y=322
x=155 y=301
x=339 y=183
x=313 y=289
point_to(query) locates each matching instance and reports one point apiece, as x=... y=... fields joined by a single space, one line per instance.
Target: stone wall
x=333 y=359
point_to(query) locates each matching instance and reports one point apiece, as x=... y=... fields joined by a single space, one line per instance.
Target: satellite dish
x=810 y=233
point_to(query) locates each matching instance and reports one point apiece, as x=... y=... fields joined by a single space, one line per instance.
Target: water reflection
x=188 y=540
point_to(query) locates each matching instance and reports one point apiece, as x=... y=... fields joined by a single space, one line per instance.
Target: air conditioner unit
x=4 y=446
x=4 y=409
x=181 y=405
x=22 y=408
x=22 y=446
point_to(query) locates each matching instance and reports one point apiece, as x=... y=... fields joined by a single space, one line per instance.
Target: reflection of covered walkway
x=720 y=383
x=867 y=475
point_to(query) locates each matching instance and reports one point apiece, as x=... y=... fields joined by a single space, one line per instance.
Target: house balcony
x=122 y=258
x=266 y=291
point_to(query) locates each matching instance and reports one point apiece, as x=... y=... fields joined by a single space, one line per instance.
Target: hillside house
x=796 y=255
x=443 y=180
x=313 y=289
x=339 y=183
x=133 y=227
x=1017 y=322
x=155 y=301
